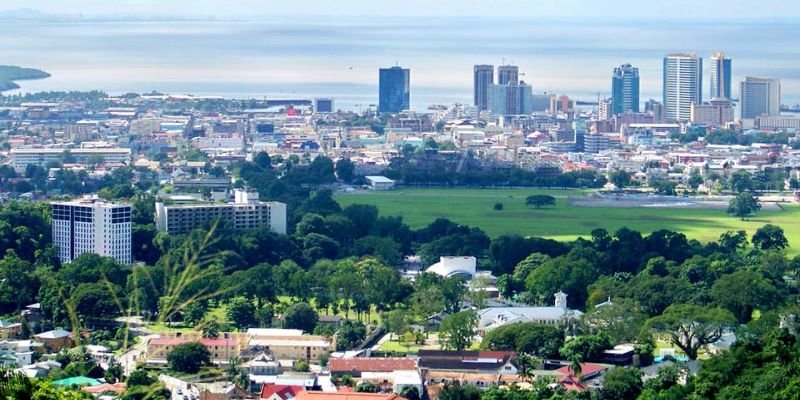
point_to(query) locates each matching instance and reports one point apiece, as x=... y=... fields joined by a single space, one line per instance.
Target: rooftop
x=371 y=364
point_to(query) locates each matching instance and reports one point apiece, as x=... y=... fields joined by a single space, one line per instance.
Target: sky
x=700 y=9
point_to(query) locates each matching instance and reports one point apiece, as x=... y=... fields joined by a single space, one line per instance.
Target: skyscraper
x=683 y=81
x=91 y=226
x=394 y=87
x=511 y=99
x=720 y=70
x=507 y=74
x=760 y=97
x=483 y=77
x=625 y=89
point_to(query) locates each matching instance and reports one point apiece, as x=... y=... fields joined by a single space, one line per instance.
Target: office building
x=92 y=226
x=507 y=74
x=511 y=99
x=21 y=158
x=682 y=81
x=716 y=112
x=483 y=77
x=323 y=105
x=720 y=71
x=760 y=97
x=394 y=87
x=595 y=143
x=656 y=108
x=625 y=89
x=246 y=212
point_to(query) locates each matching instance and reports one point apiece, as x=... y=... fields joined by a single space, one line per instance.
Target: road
x=129 y=359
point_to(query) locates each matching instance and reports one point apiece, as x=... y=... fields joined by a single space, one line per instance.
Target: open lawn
x=474 y=207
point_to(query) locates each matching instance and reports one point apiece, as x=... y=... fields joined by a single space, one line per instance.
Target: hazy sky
x=705 y=9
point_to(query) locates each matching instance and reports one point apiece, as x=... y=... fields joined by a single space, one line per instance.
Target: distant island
x=11 y=73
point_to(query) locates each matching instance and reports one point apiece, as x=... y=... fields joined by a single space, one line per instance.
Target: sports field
x=474 y=207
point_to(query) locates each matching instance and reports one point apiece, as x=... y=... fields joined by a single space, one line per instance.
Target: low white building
x=379 y=182
x=452 y=266
x=558 y=314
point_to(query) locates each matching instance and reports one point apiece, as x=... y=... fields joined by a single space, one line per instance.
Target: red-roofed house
x=222 y=350
x=280 y=392
x=588 y=371
x=355 y=366
x=347 y=396
x=117 y=388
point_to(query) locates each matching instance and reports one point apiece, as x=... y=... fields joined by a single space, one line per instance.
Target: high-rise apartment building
x=511 y=99
x=604 y=108
x=720 y=82
x=682 y=81
x=507 y=74
x=760 y=97
x=246 y=212
x=394 y=89
x=92 y=226
x=483 y=77
x=625 y=89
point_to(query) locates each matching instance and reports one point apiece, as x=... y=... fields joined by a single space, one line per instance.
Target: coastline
x=11 y=74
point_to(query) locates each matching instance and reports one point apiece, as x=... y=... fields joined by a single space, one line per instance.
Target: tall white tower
x=561 y=299
x=92 y=226
x=683 y=81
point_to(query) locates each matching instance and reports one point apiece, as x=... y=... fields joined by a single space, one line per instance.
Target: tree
x=532 y=338
x=300 y=316
x=743 y=205
x=458 y=330
x=741 y=182
x=139 y=377
x=526 y=364
x=692 y=327
x=242 y=313
x=770 y=237
x=621 y=320
x=620 y=179
x=744 y=291
x=540 y=200
x=345 y=170
x=586 y=347
x=410 y=393
x=189 y=357
x=363 y=217
x=210 y=329
x=621 y=384
x=351 y=335
x=396 y=322
x=262 y=160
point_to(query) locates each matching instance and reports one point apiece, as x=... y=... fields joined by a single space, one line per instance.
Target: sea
x=339 y=57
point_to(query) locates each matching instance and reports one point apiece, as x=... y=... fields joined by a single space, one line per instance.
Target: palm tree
x=15 y=386
x=210 y=330
x=526 y=364
x=575 y=365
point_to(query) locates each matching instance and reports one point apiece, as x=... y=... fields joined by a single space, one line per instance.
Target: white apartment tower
x=683 y=81
x=92 y=226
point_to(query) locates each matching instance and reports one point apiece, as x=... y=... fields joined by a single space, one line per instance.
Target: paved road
x=136 y=327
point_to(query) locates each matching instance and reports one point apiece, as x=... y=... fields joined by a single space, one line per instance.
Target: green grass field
x=474 y=207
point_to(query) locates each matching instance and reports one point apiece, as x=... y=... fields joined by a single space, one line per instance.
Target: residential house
x=280 y=392
x=55 y=340
x=9 y=330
